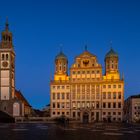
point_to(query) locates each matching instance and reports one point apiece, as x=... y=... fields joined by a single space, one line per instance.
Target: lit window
x=109 y=86
x=63 y=95
x=58 y=95
x=114 y=95
x=119 y=86
x=109 y=95
x=104 y=95
x=114 y=86
x=53 y=96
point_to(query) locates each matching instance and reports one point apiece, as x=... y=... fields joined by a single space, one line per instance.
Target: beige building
x=132 y=109
x=86 y=94
x=11 y=101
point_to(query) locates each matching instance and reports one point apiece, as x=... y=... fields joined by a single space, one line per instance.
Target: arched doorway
x=16 y=109
x=85 y=117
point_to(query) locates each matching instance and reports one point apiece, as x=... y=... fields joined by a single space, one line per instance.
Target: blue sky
x=40 y=26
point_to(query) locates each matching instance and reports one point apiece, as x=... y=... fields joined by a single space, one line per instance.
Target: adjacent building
x=87 y=95
x=132 y=109
x=11 y=101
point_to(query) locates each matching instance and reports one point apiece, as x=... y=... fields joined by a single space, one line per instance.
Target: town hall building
x=87 y=95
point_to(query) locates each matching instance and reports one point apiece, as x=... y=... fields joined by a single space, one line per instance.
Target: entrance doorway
x=85 y=117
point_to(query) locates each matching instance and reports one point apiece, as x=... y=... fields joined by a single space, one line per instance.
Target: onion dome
x=111 y=53
x=61 y=55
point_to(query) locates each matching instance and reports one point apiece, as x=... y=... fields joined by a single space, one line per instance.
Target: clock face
x=5 y=64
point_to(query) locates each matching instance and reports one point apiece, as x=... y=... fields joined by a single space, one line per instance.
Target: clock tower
x=7 y=67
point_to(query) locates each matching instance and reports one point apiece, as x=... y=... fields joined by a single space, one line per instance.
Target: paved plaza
x=39 y=131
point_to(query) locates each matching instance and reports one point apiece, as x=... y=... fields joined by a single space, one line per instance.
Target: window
x=53 y=113
x=53 y=96
x=58 y=95
x=58 y=113
x=6 y=56
x=119 y=113
x=58 y=105
x=53 y=105
x=63 y=105
x=67 y=87
x=63 y=95
x=67 y=105
x=83 y=72
x=3 y=56
x=98 y=71
x=104 y=105
x=63 y=113
x=88 y=72
x=97 y=105
x=109 y=86
x=109 y=113
x=74 y=114
x=114 y=86
x=104 y=86
x=119 y=95
x=114 y=113
x=63 y=87
x=114 y=105
x=104 y=113
x=78 y=72
x=119 y=86
x=114 y=95
x=73 y=72
x=109 y=105
x=67 y=113
x=67 y=96
x=93 y=72
x=104 y=95
x=78 y=105
x=97 y=96
x=53 y=87
x=109 y=95
x=119 y=105
x=73 y=105
x=58 y=87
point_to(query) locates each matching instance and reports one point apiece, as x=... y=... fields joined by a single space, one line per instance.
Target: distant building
x=86 y=94
x=11 y=101
x=132 y=109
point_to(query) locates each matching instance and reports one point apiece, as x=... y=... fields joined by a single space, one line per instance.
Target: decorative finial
x=85 y=47
x=6 y=24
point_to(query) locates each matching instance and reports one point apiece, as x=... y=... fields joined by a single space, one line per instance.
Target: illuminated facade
x=86 y=94
x=11 y=101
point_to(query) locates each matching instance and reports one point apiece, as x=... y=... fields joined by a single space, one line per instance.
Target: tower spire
x=6 y=24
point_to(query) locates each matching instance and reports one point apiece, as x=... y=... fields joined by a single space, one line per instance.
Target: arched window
x=16 y=109
x=7 y=56
x=3 y=56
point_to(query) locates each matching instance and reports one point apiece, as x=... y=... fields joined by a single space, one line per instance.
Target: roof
x=135 y=96
x=111 y=53
x=61 y=55
x=86 y=54
x=20 y=96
